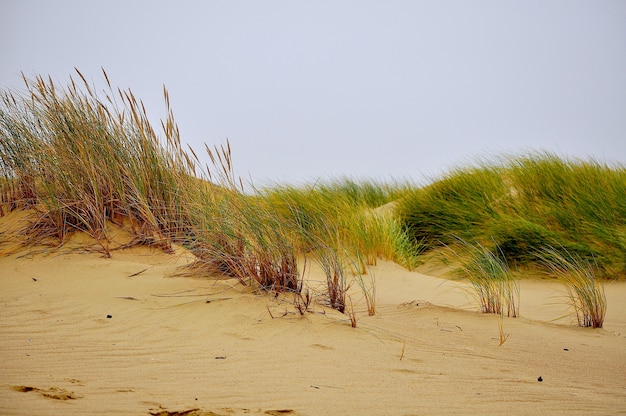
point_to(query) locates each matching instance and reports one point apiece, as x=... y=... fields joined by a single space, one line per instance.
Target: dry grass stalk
x=369 y=291
x=503 y=336
x=351 y=314
x=335 y=279
x=302 y=301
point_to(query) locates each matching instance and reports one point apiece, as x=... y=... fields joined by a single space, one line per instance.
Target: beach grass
x=368 y=289
x=81 y=161
x=525 y=203
x=346 y=214
x=584 y=292
x=487 y=271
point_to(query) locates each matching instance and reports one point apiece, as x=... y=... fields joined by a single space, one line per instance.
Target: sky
x=326 y=89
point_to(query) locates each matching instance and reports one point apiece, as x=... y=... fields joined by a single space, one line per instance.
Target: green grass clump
x=525 y=203
x=585 y=293
x=343 y=215
x=487 y=271
x=456 y=205
x=235 y=236
x=83 y=161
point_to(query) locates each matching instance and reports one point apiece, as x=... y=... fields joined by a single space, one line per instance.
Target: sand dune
x=81 y=334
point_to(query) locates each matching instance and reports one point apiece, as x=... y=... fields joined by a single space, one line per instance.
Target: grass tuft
x=586 y=295
x=495 y=288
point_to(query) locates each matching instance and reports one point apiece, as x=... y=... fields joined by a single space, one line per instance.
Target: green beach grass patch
x=494 y=286
x=521 y=204
x=585 y=293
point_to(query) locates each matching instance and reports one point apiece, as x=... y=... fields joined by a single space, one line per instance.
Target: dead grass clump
x=368 y=289
x=336 y=282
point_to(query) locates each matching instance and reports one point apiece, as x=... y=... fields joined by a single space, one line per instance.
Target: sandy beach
x=83 y=334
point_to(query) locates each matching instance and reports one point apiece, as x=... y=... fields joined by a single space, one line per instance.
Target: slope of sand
x=81 y=334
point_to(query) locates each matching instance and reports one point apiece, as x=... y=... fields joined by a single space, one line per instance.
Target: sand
x=86 y=335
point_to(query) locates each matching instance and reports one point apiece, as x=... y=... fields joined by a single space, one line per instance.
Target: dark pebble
x=109 y=316
x=540 y=379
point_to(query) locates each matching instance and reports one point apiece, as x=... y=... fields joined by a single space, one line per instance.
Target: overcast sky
x=308 y=90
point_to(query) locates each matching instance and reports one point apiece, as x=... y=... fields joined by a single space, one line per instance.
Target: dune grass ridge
x=525 y=203
x=78 y=160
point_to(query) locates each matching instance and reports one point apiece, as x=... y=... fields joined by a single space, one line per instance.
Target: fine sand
x=86 y=335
